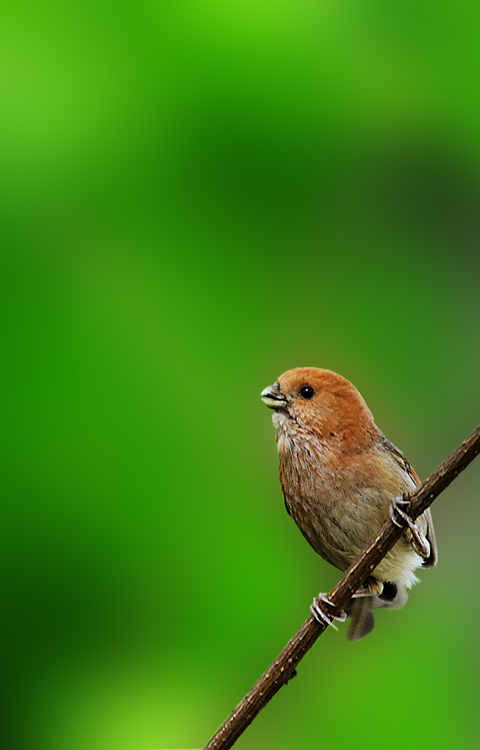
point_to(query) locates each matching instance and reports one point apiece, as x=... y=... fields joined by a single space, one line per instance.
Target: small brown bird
x=341 y=479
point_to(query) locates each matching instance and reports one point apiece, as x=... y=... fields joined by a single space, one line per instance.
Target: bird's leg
x=401 y=519
x=321 y=616
x=371 y=587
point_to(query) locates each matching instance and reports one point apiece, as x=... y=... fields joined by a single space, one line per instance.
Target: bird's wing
x=431 y=560
x=401 y=459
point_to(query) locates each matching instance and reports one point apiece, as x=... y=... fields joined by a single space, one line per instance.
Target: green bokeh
x=195 y=197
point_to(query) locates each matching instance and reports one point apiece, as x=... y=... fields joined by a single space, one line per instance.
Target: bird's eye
x=307 y=392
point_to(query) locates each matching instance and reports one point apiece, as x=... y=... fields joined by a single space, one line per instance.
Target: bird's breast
x=332 y=496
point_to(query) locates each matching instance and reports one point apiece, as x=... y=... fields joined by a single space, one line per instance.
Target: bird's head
x=320 y=402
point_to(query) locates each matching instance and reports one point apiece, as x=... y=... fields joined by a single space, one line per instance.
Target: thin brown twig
x=284 y=665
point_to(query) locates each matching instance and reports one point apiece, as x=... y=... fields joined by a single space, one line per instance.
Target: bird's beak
x=273 y=397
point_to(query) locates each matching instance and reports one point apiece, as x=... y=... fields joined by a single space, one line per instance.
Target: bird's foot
x=401 y=519
x=371 y=587
x=321 y=616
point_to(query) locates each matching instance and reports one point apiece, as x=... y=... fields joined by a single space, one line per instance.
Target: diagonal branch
x=284 y=665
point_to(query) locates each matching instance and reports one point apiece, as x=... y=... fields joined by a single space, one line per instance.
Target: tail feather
x=360 y=609
x=362 y=623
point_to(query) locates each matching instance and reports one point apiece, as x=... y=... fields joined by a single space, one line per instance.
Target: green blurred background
x=195 y=197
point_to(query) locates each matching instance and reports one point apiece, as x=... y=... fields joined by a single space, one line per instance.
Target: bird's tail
x=360 y=609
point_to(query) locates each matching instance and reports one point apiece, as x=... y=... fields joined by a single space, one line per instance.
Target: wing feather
x=401 y=459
